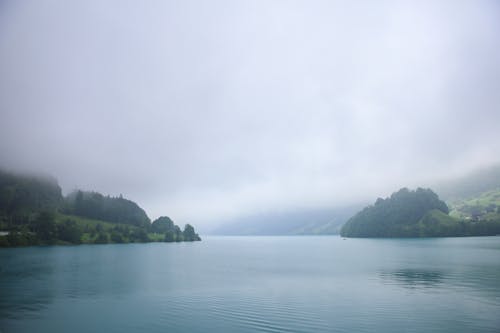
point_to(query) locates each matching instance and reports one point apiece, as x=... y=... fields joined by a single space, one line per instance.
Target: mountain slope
x=33 y=212
x=395 y=216
x=485 y=206
x=299 y=222
x=23 y=196
x=470 y=185
x=112 y=209
x=417 y=213
x=475 y=196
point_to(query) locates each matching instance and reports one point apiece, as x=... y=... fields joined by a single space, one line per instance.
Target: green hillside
x=23 y=197
x=33 y=212
x=485 y=206
x=421 y=213
x=396 y=216
x=94 y=205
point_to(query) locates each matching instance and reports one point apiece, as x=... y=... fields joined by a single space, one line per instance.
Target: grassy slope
x=436 y=223
x=484 y=206
x=438 y=216
x=83 y=221
x=107 y=227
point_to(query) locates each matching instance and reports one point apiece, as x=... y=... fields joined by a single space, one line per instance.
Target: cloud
x=211 y=110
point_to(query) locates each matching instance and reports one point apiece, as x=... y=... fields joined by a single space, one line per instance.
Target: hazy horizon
x=209 y=111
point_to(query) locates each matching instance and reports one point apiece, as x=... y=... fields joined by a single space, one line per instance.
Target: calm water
x=255 y=284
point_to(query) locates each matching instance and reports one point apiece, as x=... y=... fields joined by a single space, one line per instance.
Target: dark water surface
x=255 y=284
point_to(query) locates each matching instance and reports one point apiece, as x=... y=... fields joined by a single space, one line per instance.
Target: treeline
x=34 y=212
x=165 y=226
x=51 y=229
x=43 y=231
x=417 y=213
x=22 y=197
x=112 y=209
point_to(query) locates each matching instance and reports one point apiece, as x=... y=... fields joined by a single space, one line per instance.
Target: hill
x=470 y=185
x=474 y=197
x=23 y=196
x=111 y=209
x=485 y=206
x=33 y=212
x=417 y=213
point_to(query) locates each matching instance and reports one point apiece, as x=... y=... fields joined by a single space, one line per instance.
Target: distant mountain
x=303 y=222
x=330 y=220
x=470 y=185
x=475 y=196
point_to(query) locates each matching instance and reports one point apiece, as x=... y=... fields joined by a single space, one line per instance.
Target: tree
x=45 y=226
x=102 y=238
x=139 y=235
x=27 y=195
x=169 y=236
x=20 y=238
x=116 y=237
x=179 y=237
x=69 y=231
x=94 y=205
x=189 y=234
x=162 y=224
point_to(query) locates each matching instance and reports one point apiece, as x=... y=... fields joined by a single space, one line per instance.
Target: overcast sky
x=209 y=110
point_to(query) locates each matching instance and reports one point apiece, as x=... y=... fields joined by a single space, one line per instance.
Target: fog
x=213 y=110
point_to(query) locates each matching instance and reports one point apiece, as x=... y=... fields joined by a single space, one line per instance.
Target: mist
x=210 y=111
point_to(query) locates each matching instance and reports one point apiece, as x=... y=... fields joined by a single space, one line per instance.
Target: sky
x=212 y=110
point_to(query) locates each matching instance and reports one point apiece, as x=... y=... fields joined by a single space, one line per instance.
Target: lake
x=255 y=284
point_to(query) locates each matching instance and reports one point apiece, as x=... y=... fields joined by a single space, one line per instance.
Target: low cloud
x=209 y=111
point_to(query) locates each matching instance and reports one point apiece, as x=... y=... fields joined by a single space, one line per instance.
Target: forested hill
x=94 y=205
x=417 y=213
x=33 y=212
x=23 y=195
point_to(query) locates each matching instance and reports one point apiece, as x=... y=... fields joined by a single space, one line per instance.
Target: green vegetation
x=22 y=197
x=33 y=212
x=96 y=206
x=162 y=225
x=417 y=213
x=484 y=207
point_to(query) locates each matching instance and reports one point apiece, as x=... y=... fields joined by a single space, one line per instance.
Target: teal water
x=255 y=284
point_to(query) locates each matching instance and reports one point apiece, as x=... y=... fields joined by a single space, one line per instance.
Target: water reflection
x=413 y=278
